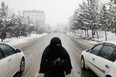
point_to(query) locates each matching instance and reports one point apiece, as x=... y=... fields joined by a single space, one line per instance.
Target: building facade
x=35 y=15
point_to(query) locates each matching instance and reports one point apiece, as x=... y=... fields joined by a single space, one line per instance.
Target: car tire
x=108 y=76
x=82 y=63
x=22 y=65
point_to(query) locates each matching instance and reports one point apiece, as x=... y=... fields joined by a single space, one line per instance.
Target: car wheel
x=82 y=63
x=22 y=65
x=108 y=76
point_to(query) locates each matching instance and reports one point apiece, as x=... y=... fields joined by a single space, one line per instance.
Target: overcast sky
x=56 y=11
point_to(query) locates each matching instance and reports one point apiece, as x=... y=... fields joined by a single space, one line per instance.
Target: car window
x=1 y=56
x=113 y=56
x=7 y=49
x=95 y=50
x=106 y=52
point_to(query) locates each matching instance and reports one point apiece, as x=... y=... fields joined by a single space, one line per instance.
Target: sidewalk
x=88 y=39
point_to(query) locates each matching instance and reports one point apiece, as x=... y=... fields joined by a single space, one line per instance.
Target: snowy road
x=72 y=45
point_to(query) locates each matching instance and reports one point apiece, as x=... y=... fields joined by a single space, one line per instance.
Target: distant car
x=101 y=59
x=11 y=61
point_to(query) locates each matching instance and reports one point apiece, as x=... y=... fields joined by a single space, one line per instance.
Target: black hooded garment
x=55 y=61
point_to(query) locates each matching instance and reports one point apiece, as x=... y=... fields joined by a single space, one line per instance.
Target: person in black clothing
x=55 y=61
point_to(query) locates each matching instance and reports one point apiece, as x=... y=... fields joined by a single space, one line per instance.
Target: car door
x=92 y=54
x=3 y=64
x=12 y=58
x=103 y=62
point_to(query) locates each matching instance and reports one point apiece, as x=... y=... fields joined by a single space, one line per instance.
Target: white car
x=101 y=59
x=11 y=61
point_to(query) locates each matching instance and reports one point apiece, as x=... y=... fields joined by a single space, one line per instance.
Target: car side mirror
x=88 y=50
x=18 y=50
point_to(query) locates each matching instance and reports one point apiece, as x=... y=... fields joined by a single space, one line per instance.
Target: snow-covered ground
x=111 y=37
x=16 y=41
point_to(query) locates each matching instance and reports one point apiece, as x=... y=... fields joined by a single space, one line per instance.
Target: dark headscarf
x=55 y=41
x=55 y=45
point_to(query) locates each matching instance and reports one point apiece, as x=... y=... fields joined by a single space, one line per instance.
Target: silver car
x=101 y=59
x=11 y=61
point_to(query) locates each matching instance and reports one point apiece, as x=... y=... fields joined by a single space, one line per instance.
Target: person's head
x=55 y=42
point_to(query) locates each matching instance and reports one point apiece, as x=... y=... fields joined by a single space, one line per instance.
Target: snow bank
x=22 y=41
x=111 y=37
